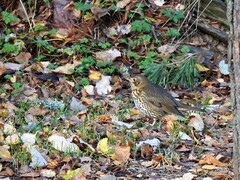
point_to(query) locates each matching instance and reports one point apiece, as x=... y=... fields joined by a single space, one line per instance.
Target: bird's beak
x=127 y=78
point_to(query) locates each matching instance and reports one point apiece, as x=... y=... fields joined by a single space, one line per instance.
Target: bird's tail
x=184 y=106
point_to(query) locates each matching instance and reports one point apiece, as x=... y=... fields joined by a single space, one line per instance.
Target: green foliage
x=104 y=45
x=173 y=15
x=8 y=17
x=184 y=73
x=172 y=32
x=184 y=49
x=86 y=63
x=39 y=28
x=84 y=82
x=17 y=88
x=45 y=45
x=82 y=6
x=187 y=73
x=9 y=48
x=106 y=67
x=133 y=55
x=140 y=26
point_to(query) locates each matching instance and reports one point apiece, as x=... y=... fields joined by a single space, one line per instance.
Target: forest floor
x=66 y=107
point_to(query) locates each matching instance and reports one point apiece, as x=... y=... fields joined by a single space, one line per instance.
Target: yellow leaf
x=201 y=68
x=94 y=75
x=103 y=145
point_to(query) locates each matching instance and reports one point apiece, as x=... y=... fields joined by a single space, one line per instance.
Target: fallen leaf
x=223 y=67
x=201 y=68
x=28 y=138
x=184 y=136
x=67 y=68
x=8 y=129
x=12 y=139
x=48 y=173
x=89 y=89
x=4 y=153
x=186 y=176
x=23 y=57
x=103 y=146
x=62 y=144
x=159 y=2
x=196 y=122
x=108 y=56
x=103 y=86
x=210 y=160
x=13 y=66
x=37 y=158
x=166 y=49
x=121 y=153
x=155 y=143
x=123 y=3
x=94 y=75
x=124 y=29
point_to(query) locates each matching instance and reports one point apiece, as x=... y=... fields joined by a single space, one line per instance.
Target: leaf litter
x=49 y=129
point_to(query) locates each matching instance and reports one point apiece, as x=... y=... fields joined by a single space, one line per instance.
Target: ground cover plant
x=66 y=106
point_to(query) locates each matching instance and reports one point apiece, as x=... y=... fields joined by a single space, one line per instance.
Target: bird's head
x=137 y=81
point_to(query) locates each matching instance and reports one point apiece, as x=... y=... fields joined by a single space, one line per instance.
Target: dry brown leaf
x=37 y=111
x=210 y=160
x=196 y=122
x=121 y=153
x=104 y=118
x=23 y=57
x=4 y=153
x=146 y=151
x=123 y=3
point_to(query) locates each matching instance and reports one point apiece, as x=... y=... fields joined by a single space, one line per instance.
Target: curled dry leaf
x=158 y=2
x=8 y=129
x=28 y=138
x=166 y=49
x=103 y=86
x=123 y=3
x=12 y=139
x=124 y=29
x=37 y=158
x=108 y=56
x=196 y=122
x=89 y=89
x=48 y=173
x=67 y=68
x=184 y=136
x=210 y=160
x=4 y=153
x=155 y=143
x=62 y=144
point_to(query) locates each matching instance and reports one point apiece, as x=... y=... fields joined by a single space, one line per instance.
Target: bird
x=154 y=101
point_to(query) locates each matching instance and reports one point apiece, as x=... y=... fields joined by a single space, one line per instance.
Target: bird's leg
x=154 y=121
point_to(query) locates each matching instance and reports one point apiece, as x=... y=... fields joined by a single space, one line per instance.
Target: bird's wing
x=160 y=98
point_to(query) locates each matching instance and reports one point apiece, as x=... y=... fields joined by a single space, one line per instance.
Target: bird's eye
x=135 y=81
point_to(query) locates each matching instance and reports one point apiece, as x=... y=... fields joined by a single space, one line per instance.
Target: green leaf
x=172 y=32
x=8 y=17
x=82 y=6
x=140 y=26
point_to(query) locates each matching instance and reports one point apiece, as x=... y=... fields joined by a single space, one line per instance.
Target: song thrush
x=154 y=101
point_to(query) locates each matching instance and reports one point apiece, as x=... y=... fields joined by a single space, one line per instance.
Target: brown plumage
x=154 y=101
